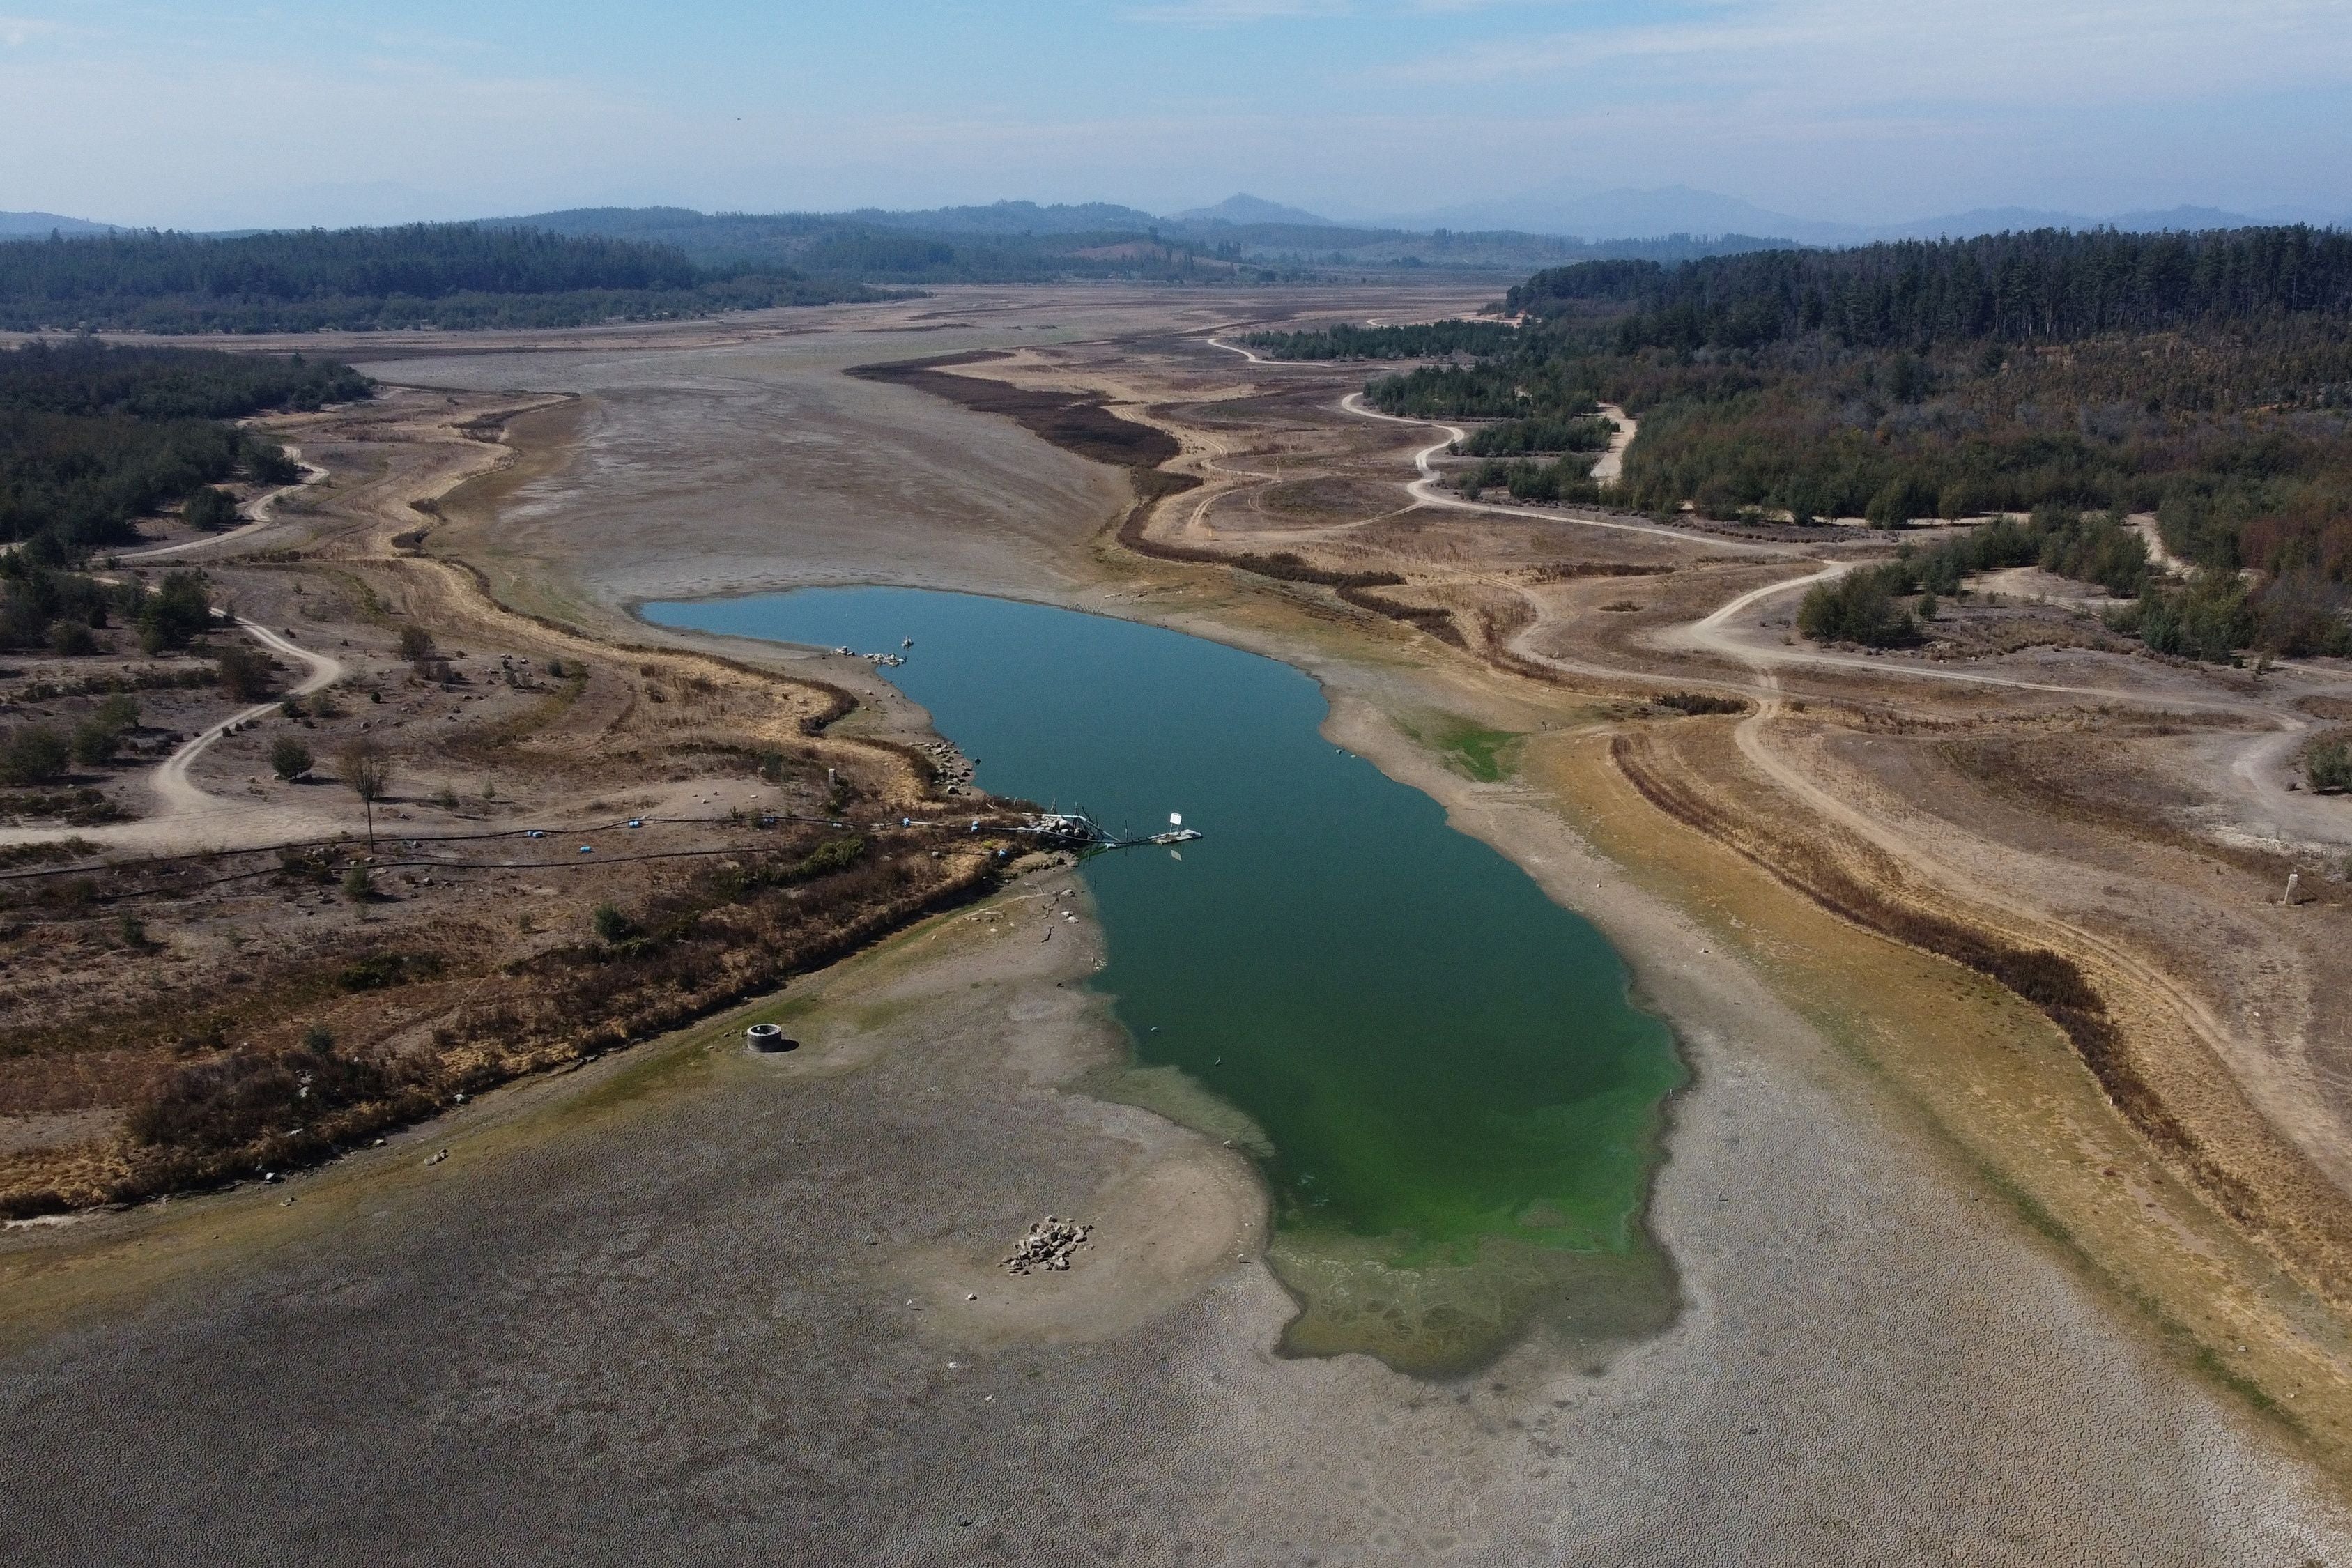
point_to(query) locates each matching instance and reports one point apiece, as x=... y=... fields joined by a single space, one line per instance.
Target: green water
x=1455 y=1106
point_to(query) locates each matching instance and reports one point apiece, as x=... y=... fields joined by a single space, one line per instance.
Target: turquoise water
x=1454 y=1105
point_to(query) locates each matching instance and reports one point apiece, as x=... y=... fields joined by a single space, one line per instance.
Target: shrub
x=289 y=759
x=227 y=1104
x=2328 y=766
x=70 y=639
x=37 y=753
x=1859 y=607
x=2209 y=619
x=832 y=855
x=1696 y=702
x=210 y=510
x=244 y=673
x=175 y=614
x=2299 y=612
x=356 y=885
x=415 y=644
x=612 y=925
x=1902 y=499
x=95 y=742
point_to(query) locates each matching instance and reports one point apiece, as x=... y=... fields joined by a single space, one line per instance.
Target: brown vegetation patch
x=1075 y=421
x=296 y=1056
x=1329 y=496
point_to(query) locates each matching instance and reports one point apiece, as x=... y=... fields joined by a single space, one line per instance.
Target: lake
x=1454 y=1104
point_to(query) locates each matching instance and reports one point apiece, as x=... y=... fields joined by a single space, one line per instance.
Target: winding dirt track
x=188 y=818
x=263 y=513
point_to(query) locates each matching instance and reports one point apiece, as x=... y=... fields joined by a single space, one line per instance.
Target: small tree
x=95 y=742
x=176 y=613
x=71 y=639
x=289 y=759
x=245 y=672
x=210 y=510
x=33 y=755
x=356 y=885
x=368 y=771
x=415 y=644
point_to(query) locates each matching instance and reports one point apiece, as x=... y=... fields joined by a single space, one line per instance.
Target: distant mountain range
x=1239 y=210
x=1626 y=213
x=40 y=226
x=1564 y=210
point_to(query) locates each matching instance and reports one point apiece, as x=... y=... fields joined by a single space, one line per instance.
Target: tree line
x=2041 y=286
x=446 y=275
x=1429 y=340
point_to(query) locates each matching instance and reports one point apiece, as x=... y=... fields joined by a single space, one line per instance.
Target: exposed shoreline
x=1875 y=1357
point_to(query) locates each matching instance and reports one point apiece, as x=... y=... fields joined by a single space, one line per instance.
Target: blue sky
x=206 y=114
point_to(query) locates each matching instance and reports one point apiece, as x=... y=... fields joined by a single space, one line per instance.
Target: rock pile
x=1048 y=1244
x=955 y=769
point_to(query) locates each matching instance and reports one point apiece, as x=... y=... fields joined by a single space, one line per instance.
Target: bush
x=1902 y=499
x=415 y=644
x=356 y=885
x=612 y=925
x=1697 y=702
x=227 y=1104
x=2093 y=547
x=210 y=510
x=2209 y=620
x=95 y=742
x=175 y=614
x=2298 y=614
x=289 y=759
x=2328 y=766
x=38 y=753
x=832 y=855
x=1859 y=607
x=244 y=673
x=71 y=639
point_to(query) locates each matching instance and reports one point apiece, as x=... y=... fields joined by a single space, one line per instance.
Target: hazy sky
x=204 y=114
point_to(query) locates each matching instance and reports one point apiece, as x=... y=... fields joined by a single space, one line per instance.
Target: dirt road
x=187 y=817
x=260 y=515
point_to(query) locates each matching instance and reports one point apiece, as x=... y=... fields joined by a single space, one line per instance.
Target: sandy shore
x=637 y=1313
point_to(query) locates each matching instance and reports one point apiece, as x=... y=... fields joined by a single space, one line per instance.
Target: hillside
x=1019 y=242
x=2079 y=377
x=445 y=275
